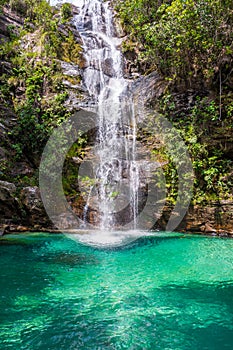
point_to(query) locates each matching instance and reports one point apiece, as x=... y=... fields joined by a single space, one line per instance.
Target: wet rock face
x=30 y=198
x=9 y=205
x=10 y=187
x=32 y=204
x=120 y=201
x=106 y=66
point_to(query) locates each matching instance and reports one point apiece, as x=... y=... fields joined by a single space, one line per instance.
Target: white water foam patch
x=107 y=238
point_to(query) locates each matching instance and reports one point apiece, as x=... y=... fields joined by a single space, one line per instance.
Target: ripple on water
x=159 y=292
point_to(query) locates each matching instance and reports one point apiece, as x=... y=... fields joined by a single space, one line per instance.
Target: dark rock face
x=9 y=206
x=32 y=204
x=107 y=67
x=215 y=219
x=147 y=88
x=8 y=19
x=26 y=209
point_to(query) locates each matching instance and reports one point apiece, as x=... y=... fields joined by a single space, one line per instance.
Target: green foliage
x=34 y=88
x=38 y=12
x=2 y=3
x=71 y=51
x=210 y=164
x=19 y=6
x=66 y=12
x=71 y=179
x=185 y=40
x=39 y=109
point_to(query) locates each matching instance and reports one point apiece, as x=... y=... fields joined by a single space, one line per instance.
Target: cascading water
x=103 y=77
x=124 y=188
x=117 y=174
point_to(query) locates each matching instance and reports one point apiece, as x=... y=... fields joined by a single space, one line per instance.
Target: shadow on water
x=22 y=275
x=192 y=316
x=19 y=243
x=69 y=259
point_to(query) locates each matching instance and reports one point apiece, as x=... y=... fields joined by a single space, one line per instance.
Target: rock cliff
x=21 y=207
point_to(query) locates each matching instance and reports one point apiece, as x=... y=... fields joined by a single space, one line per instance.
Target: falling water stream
x=124 y=189
x=117 y=174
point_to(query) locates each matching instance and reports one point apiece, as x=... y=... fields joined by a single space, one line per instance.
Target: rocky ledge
x=215 y=219
x=23 y=210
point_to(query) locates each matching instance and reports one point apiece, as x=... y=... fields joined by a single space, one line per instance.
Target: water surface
x=161 y=292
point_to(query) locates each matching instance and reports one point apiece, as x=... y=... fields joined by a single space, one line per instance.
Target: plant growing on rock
x=33 y=85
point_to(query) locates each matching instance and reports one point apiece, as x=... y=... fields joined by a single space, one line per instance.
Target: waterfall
x=121 y=184
x=117 y=174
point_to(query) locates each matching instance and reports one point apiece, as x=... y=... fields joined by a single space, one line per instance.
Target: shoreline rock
x=215 y=219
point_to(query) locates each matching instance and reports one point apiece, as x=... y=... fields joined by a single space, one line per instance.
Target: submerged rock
x=72 y=259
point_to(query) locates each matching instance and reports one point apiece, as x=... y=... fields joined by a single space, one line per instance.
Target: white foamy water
x=116 y=143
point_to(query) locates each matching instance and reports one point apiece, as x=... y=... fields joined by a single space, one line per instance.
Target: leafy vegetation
x=66 y=11
x=190 y=43
x=185 y=40
x=33 y=86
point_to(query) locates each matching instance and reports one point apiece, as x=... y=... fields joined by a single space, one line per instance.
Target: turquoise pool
x=159 y=292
